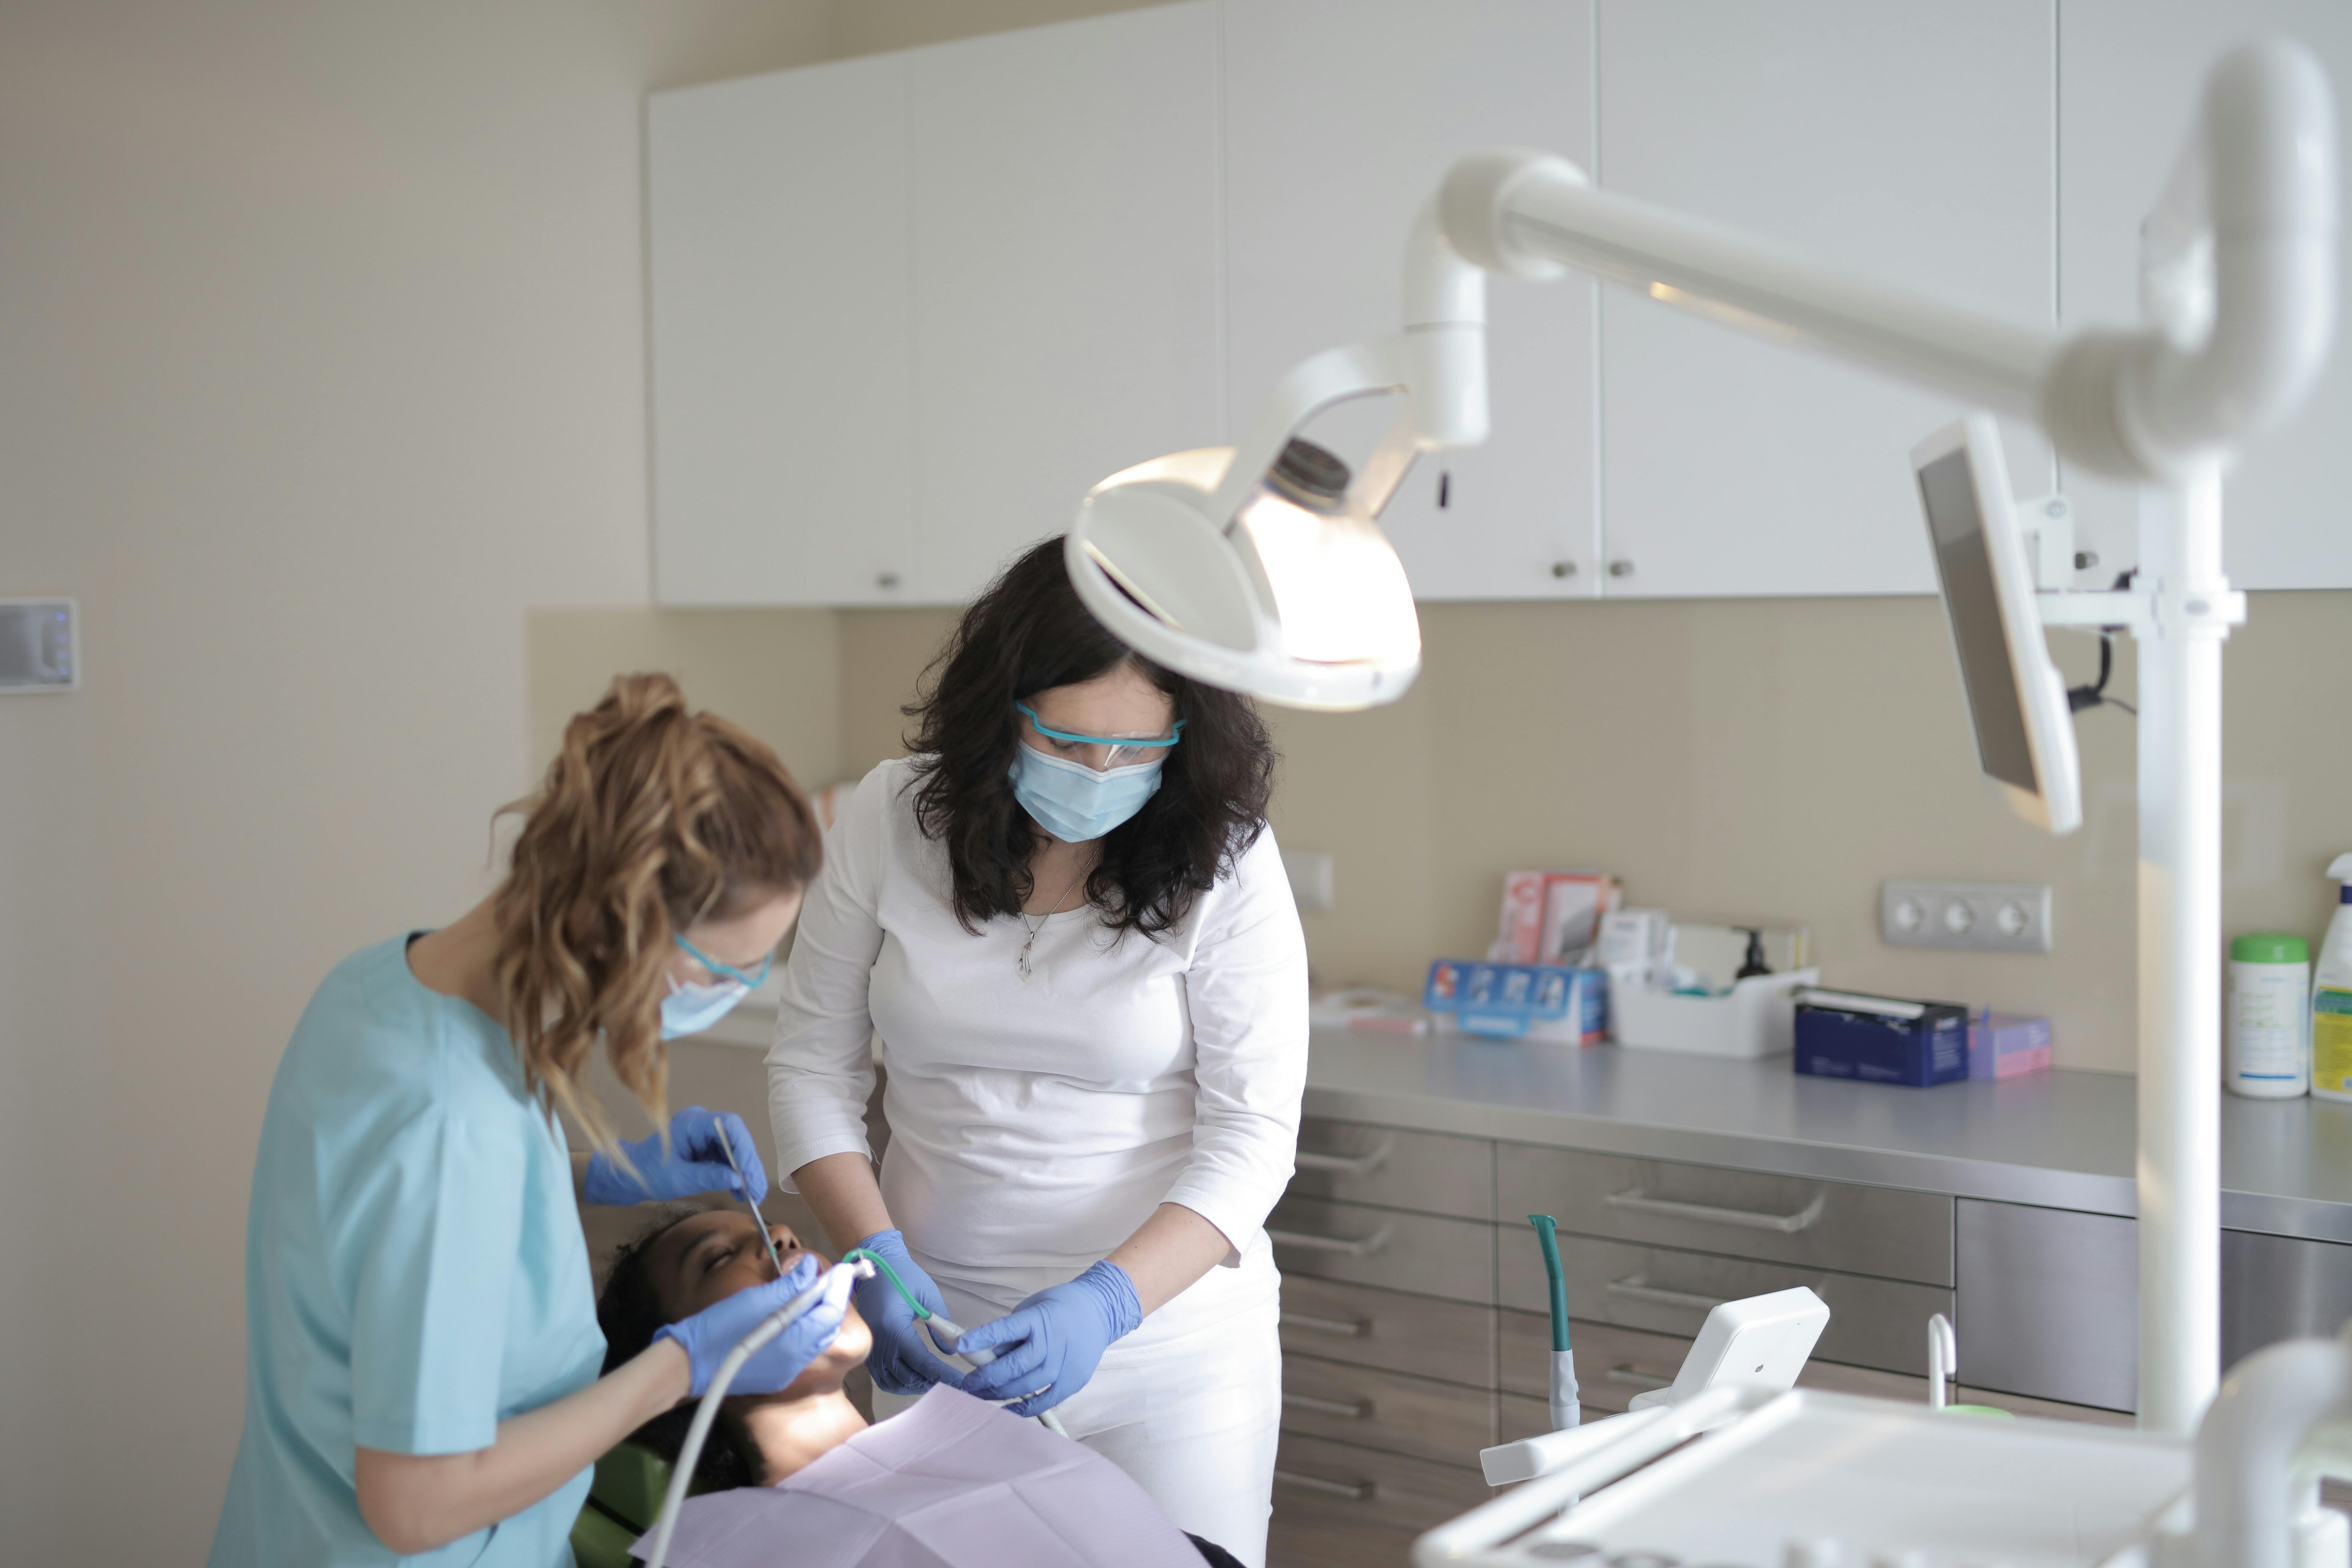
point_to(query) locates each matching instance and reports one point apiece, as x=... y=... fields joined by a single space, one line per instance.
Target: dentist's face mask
x=1072 y=801
x=689 y=1009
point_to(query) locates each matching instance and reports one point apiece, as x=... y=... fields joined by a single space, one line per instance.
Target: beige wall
x=321 y=361
x=1766 y=760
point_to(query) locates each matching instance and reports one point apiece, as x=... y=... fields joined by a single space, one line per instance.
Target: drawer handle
x=1634 y=1377
x=1635 y=1198
x=1343 y=1327
x=1343 y=1164
x=1347 y=1246
x=1357 y=1410
x=1354 y=1491
x=1640 y=1289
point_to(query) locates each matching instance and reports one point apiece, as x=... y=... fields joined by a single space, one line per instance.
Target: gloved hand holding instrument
x=892 y=1303
x=705 y=1149
x=1044 y=1350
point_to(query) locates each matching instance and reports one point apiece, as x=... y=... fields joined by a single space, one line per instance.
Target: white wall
x=321 y=361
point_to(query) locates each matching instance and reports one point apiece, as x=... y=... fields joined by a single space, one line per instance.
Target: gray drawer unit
x=1429 y=1171
x=2049 y=1303
x=1884 y=1231
x=1339 y=1505
x=1388 y=1329
x=2050 y=1299
x=1410 y=1416
x=1879 y=1323
x=1454 y=1258
x=2281 y=1288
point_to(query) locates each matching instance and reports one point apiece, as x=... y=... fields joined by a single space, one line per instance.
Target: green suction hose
x=854 y=1253
x=1546 y=1228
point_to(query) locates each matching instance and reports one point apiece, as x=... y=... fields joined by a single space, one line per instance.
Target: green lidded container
x=2266 y=1043
x=2269 y=947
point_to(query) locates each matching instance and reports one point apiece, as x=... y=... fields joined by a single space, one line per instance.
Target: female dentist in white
x=1067 y=927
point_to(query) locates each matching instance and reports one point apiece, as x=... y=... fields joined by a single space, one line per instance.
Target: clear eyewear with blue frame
x=725 y=971
x=1121 y=750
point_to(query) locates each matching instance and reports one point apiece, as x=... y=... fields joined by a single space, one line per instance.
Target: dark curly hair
x=1029 y=633
x=630 y=1312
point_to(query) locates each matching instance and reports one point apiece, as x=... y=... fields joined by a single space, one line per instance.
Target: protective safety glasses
x=1118 y=751
x=727 y=970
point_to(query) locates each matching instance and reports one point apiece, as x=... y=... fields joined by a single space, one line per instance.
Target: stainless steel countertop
x=2061 y=1140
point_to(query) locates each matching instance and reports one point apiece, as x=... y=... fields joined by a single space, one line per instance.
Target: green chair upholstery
x=623 y=1503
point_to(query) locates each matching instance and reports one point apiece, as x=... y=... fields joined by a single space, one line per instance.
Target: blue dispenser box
x=1520 y=1001
x=1881 y=1039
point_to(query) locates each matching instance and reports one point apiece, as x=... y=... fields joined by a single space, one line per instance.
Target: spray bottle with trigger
x=2331 y=997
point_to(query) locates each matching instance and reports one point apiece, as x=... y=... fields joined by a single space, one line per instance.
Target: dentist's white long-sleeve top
x=1035 y=1123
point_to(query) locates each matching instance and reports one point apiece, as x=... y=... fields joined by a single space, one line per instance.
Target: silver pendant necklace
x=1032 y=940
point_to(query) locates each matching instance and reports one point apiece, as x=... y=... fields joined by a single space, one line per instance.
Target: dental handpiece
x=936 y=1325
x=743 y=1188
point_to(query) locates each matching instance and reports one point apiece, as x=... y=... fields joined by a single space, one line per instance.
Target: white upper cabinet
x=1909 y=141
x=2131 y=77
x=1065 y=274
x=908 y=310
x=783 y=364
x=1341 y=117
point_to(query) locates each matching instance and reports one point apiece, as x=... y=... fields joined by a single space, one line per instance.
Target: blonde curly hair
x=650 y=818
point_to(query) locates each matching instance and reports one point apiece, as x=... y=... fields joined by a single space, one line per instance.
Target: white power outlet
x=1310 y=879
x=1994 y=917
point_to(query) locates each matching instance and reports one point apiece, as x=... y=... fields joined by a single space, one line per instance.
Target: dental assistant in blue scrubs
x=422 y=1353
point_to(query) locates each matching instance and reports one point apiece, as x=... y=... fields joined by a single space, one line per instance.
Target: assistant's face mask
x=690 y=1009
x=1072 y=802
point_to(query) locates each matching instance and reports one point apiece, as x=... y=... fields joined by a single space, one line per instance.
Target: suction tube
x=834 y=1288
x=1567 y=1410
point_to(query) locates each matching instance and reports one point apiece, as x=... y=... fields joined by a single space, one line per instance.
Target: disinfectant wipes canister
x=2268 y=1045
x=2331 y=997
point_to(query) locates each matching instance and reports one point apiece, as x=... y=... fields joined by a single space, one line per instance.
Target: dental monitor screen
x=2017 y=704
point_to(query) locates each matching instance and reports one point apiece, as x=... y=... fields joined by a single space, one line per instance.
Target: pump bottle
x=2331 y=997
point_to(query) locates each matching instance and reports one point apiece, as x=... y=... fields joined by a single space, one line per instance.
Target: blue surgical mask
x=690 y=1009
x=1072 y=802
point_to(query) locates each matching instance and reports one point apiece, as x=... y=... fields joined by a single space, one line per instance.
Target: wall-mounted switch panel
x=1310 y=880
x=40 y=645
x=1994 y=917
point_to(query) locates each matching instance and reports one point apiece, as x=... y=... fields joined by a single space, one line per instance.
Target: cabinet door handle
x=1347 y=1246
x=1355 y=1410
x=1640 y=1289
x=1634 y=1377
x=1354 y=1491
x=1345 y=1164
x=1343 y=1327
x=1635 y=1198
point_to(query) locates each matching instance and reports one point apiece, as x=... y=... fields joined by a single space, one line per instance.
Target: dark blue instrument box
x=1881 y=1039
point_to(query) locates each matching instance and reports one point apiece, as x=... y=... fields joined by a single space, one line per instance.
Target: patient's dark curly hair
x=630 y=1312
x=1029 y=633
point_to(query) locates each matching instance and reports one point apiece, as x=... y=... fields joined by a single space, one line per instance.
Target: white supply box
x=1759 y=1018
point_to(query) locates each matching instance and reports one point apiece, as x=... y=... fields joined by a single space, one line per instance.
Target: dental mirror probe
x=744 y=1187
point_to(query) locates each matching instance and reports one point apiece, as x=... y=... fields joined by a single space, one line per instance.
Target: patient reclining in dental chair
x=798 y=1480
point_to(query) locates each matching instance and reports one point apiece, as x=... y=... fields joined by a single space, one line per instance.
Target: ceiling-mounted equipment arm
x=2259 y=177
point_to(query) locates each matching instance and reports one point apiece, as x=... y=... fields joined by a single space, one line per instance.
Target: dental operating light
x=2239 y=278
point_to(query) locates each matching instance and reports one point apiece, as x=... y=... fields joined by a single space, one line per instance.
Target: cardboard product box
x=1881 y=1039
x=1520 y=1001
x=1575 y=904
x=1519 y=936
x=2005 y=1045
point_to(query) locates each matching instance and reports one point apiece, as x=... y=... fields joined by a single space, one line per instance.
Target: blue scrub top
x=414 y=1272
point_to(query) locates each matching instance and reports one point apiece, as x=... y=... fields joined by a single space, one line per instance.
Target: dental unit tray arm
x=2240 y=284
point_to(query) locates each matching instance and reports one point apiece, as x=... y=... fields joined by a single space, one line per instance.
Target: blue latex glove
x=902 y=1360
x=708 y=1336
x=1048 y=1346
x=697 y=1163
